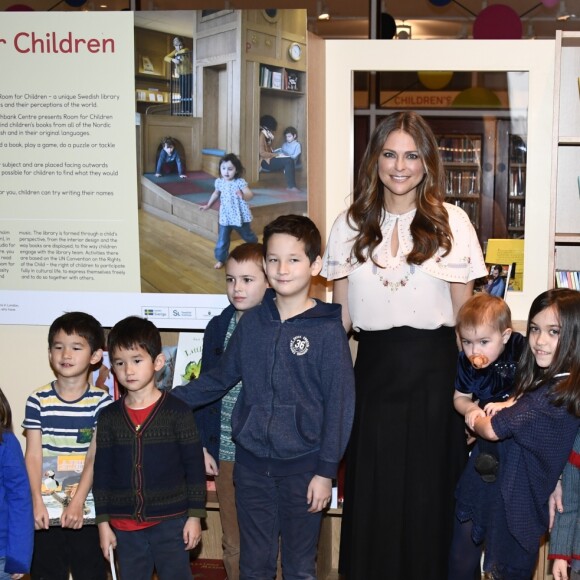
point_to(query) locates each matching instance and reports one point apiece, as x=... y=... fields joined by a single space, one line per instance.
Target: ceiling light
x=563 y=13
x=322 y=10
x=403 y=32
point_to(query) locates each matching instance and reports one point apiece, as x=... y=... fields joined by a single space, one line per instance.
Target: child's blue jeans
x=222 y=247
x=4 y=575
x=160 y=547
x=273 y=508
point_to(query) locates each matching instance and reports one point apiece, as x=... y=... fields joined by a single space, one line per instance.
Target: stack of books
x=568 y=279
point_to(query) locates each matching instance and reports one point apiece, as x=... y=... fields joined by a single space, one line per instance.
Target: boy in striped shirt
x=60 y=418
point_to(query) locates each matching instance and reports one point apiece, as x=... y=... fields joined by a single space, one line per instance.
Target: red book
x=205 y=569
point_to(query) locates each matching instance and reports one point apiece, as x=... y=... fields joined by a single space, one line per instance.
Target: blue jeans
x=160 y=547
x=222 y=247
x=272 y=508
x=5 y=575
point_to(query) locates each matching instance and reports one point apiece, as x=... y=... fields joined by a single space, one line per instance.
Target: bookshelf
x=461 y=157
x=283 y=79
x=151 y=76
x=485 y=173
x=471 y=150
x=152 y=73
x=565 y=186
x=516 y=186
x=287 y=104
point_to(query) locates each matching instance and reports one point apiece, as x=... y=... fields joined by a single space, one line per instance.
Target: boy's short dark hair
x=81 y=323
x=291 y=130
x=135 y=331
x=168 y=142
x=248 y=252
x=298 y=226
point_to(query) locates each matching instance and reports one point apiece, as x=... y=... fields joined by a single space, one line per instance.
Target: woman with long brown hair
x=403 y=262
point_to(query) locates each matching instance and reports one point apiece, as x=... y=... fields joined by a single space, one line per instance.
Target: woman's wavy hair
x=430 y=226
x=566 y=359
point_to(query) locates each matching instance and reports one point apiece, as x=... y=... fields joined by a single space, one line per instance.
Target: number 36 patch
x=299 y=345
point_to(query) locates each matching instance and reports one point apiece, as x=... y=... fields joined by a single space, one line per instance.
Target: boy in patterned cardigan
x=149 y=482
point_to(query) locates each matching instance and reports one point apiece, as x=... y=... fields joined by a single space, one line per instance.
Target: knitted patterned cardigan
x=150 y=473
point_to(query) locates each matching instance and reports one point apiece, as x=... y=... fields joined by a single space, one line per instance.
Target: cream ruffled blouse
x=398 y=293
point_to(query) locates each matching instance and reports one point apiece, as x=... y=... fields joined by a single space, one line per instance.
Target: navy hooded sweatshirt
x=295 y=410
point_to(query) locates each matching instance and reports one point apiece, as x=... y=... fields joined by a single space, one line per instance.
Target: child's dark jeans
x=272 y=511
x=160 y=546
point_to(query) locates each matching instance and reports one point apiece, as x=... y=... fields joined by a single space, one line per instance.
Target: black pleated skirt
x=405 y=455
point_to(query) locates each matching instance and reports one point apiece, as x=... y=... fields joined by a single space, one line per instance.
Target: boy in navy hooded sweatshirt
x=294 y=413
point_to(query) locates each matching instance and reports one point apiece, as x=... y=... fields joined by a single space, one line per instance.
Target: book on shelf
x=208 y=569
x=276 y=79
x=61 y=475
x=508 y=251
x=164 y=376
x=188 y=357
x=567 y=279
x=103 y=377
x=147 y=65
x=265 y=76
x=500 y=287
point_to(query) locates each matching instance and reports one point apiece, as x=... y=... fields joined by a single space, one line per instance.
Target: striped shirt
x=67 y=426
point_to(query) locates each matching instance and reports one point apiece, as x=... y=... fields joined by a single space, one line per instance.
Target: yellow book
x=508 y=251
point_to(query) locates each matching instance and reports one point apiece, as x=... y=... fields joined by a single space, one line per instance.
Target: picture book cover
x=164 y=377
x=508 y=251
x=104 y=378
x=188 y=357
x=61 y=475
x=499 y=279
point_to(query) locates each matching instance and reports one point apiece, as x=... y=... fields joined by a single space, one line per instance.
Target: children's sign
x=67 y=138
x=69 y=234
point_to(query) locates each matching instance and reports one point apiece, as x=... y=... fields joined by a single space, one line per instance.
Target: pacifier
x=478 y=360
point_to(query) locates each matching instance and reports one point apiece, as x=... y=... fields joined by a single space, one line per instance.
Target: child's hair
x=81 y=323
x=566 y=359
x=135 y=331
x=5 y=415
x=268 y=122
x=168 y=142
x=291 y=130
x=298 y=226
x=235 y=161
x=248 y=252
x=482 y=309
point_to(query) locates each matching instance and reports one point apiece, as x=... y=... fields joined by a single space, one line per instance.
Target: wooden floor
x=174 y=260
